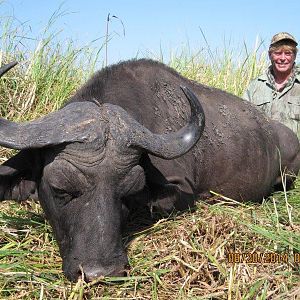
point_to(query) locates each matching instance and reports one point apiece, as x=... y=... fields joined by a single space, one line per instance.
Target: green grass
x=183 y=256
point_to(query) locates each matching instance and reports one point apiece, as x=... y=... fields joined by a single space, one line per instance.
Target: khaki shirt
x=283 y=106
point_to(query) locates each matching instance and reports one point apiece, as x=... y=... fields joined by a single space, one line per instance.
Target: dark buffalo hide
x=139 y=134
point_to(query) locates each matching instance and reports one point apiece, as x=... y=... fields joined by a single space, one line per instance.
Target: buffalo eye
x=63 y=195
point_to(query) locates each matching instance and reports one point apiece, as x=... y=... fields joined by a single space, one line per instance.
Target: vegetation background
x=179 y=257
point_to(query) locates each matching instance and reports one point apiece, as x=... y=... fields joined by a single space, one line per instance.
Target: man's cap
x=283 y=36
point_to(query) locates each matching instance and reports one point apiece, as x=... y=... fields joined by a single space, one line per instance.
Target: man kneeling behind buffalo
x=277 y=91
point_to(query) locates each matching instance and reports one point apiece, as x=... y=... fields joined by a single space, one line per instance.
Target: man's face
x=282 y=60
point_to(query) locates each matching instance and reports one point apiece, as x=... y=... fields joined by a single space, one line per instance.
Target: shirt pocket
x=294 y=107
x=264 y=106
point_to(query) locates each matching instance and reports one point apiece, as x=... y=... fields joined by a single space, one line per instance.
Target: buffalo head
x=80 y=161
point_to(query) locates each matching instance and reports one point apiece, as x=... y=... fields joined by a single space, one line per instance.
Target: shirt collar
x=297 y=74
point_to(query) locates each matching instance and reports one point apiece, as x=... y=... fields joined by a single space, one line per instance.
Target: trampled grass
x=192 y=255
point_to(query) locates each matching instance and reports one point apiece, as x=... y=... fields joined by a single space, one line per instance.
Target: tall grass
x=179 y=257
x=49 y=70
x=232 y=70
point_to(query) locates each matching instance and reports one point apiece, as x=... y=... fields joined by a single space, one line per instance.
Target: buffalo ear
x=18 y=177
x=8 y=171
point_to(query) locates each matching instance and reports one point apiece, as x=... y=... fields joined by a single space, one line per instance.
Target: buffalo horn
x=172 y=145
x=7 y=67
x=76 y=122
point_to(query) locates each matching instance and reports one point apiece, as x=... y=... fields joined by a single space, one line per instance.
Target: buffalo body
x=128 y=137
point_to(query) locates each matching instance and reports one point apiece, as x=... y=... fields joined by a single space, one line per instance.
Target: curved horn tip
x=188 y=92
x=7 y=67
x=175 y=144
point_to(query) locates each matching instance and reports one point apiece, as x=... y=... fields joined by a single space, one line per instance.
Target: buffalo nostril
x=93 y=274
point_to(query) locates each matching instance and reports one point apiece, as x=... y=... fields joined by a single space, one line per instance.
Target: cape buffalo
x=121 y=141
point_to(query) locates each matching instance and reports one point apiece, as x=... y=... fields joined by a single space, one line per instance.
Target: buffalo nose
x=93 y=274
